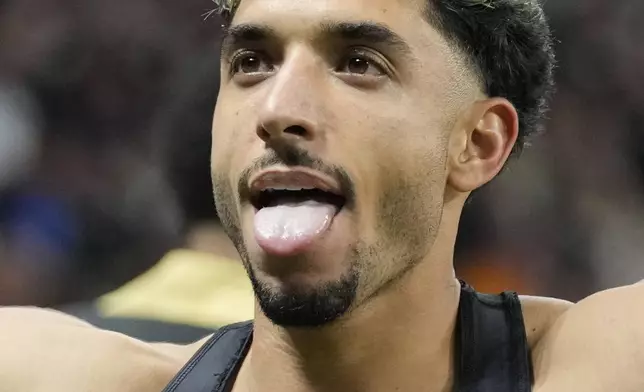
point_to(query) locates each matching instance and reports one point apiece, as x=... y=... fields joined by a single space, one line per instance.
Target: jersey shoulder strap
x=492 y=348
x=216 y=361
x=492 y=353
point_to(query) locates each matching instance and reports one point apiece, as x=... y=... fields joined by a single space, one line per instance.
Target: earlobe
x=482 y=145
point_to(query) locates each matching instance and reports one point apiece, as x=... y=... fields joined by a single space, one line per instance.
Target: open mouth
x=293 y=187
x=293 y=209
x=273 y=197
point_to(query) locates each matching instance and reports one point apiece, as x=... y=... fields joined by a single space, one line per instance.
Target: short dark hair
x=508 y=44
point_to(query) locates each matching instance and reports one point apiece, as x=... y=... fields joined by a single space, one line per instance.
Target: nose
x=290 y=110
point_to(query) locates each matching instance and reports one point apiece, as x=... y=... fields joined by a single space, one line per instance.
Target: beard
x=310 y=307
x=407 y=226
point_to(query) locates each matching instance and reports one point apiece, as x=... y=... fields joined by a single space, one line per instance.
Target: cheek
x=413 y=182
x=414 y=147
x=223 y=156
x=233 y=137
x=224 y=125
x=409 y=208
x=220 y=163
x=401 y=171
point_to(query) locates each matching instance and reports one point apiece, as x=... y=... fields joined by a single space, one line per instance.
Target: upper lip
x=293 y=179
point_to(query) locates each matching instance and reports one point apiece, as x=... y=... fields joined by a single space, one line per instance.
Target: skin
x=455 y=140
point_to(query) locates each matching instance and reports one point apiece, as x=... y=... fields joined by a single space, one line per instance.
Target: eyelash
x=353 y=52
x=367 y=55
x=233 y=62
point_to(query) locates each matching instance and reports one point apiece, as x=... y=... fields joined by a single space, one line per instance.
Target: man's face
x=354 y=99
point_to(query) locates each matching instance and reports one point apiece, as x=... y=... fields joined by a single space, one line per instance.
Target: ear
x=481 y=143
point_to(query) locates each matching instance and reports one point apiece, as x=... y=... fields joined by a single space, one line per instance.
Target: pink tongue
x=286 y=229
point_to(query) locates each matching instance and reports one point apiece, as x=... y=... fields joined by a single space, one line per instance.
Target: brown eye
x=361 y=65
x=251 y=63
x=358 y=66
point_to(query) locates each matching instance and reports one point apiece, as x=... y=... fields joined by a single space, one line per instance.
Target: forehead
x=299 y=17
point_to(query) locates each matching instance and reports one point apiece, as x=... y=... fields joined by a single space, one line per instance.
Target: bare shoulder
x=539 y=314
x=45 y=350
x=594 y=345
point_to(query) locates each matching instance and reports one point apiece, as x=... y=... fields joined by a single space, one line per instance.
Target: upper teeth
x=287 y=188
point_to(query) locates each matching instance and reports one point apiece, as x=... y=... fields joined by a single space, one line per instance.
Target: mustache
x=295 y=156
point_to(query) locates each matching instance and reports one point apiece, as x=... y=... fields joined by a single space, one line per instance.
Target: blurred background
x=105 y=112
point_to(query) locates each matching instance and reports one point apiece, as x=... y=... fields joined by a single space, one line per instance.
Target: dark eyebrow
x=368 y=32
x=235 y=36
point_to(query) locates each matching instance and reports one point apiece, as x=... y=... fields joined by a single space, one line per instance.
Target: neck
x=400 y=340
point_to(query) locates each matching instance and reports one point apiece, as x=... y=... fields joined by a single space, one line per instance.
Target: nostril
x=296 y=130
x=276 y=133
x=263 y=133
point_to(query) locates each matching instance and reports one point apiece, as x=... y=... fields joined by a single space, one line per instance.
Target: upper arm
x=597 y=345
x=44 y=350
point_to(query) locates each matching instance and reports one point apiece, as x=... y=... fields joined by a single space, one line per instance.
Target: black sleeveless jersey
x=492 y=353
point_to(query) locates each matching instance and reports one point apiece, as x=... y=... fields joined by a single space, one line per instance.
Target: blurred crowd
x=105 y=111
